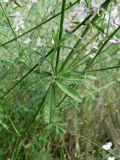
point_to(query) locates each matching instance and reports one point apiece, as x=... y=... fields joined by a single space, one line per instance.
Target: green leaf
x=43 y=73
x=72 y=74
x=71 y=80
x=69 y=91
x=98 y=27
x=4 y=125
x=74 y=77
x=49 y=105
x=41 y=60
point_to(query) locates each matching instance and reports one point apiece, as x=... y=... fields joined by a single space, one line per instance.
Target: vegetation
x=59 y=80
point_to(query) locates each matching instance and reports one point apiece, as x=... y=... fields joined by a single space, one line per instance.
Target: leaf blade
x=69 y=91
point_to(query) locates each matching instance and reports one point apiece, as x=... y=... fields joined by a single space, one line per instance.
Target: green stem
x=104 y=69
x=10 y=120
x=60 y=33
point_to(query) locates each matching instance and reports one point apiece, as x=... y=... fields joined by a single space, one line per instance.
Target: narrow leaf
x=49 y=104
x=98 y=27
x=69 y=91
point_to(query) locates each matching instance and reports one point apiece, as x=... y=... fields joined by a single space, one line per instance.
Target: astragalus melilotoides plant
x=56 y=63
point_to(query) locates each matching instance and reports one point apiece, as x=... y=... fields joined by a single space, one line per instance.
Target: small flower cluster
x=90 y=47
x=115 y=40
x=96 y=3
x=112 y=17
x=18 y=21
x=17 y=17
x=78 y=14
x=39 y=42
x=80 y=11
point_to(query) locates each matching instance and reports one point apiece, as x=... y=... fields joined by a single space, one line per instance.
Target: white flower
x=27 y=41
x=19 y=24
x=79 y=13
x=18 y=21
x=107 y=16
x=113 y=16
x=67 y=25
x=116 y=21
x=107 y=146
x=49 y=10
x=92 y=55
x=16 y=15
x=94 y=45
x=97 y=3
x=39 y=42
x=34 y=1
x=114 y=11
x=111 y=158
x=53 y=41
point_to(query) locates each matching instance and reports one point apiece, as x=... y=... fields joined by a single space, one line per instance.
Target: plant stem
x=60 y=33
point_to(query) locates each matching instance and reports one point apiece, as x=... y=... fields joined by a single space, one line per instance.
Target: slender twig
x=104 y=69
x=10 y=120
